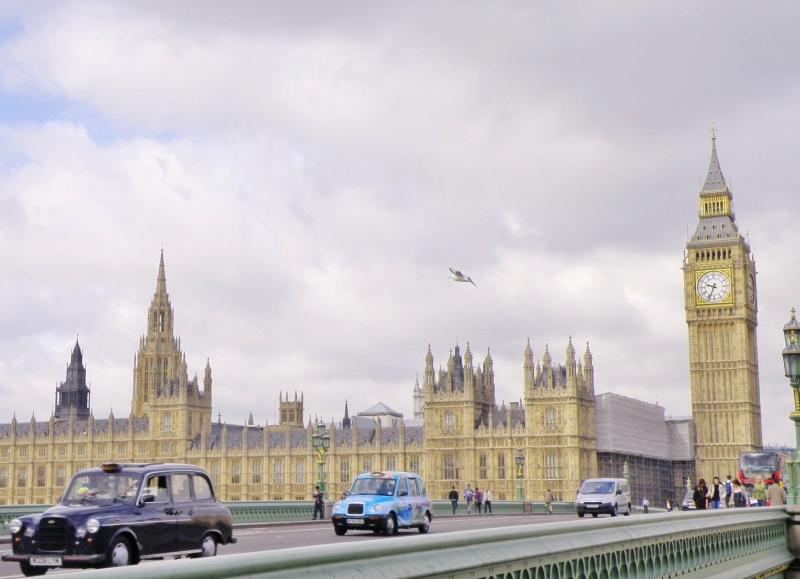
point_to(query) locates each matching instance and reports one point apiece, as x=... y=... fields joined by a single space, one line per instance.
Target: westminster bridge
x=726 y=543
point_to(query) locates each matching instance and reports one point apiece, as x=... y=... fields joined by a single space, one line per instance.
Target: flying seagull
x=458 y=276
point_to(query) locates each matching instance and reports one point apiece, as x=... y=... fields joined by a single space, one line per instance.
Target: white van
x=604 y=495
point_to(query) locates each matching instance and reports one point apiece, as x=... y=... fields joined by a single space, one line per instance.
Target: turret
x=571 y=365
x=527 y=366
x=429 y=377
x=207 y=382
x=588 y=369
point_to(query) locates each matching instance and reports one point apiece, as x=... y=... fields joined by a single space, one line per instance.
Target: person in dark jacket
x=700 y=494
x=453 y=496
x=319 y=503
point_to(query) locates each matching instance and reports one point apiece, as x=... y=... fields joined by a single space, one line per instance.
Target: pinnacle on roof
x=715 y=181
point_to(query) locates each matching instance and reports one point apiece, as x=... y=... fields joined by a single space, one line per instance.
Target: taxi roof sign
x=111 y=467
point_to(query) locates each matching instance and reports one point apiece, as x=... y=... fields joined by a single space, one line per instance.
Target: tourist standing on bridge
x=739 y=495
x=716 y=494
x=646 y=505
x=700 y=495
x=548 y=502
x=453 y=496
x=487 y=500
x=478 y=499
x=776 y=495
x=319 y=503
x=760 y=491
x=468 y=496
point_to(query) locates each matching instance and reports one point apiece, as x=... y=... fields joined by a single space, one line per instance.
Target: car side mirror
x=147 y=498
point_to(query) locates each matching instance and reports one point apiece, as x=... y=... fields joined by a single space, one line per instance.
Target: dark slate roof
x=414 y=434
x=343 y=437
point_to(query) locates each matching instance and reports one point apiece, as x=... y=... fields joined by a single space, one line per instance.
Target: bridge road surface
x=274 y=537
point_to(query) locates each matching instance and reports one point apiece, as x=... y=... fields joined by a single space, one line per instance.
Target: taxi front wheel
x=120 y=553
x=30 y=571
x=390 y=525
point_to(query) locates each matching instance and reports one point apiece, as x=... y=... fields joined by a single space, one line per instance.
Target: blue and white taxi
x=384 y=502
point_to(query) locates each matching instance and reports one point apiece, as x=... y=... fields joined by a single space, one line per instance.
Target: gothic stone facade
x=466 y=437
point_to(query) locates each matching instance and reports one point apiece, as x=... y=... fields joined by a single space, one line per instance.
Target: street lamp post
x=791 y=366
x=322 y=442
x=519 y=460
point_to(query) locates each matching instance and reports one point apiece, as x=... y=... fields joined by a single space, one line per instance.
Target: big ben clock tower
x=721 y=311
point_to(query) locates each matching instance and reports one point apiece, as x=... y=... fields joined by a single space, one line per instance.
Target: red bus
x=770 y=466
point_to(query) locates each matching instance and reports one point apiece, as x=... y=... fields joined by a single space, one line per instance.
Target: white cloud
x=312 y=175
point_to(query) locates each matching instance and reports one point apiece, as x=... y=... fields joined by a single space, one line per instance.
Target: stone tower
x=291 y=411
x=175 y=405
x=419 y=400
x=457 y=403
x=560 y=421
x=72 y=395
x=721 y=311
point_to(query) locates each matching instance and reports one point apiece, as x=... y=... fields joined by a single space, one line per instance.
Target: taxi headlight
x=337 y=506
x=15 y=526
x=80 y=532
x=92 y=525
x=376 y=508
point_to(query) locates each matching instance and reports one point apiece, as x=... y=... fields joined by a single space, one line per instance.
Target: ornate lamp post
x=322 y=442
x=519 y=460
x=791 y=367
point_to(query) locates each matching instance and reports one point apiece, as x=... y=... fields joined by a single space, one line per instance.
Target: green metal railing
x=294 y=511
x=719 y=543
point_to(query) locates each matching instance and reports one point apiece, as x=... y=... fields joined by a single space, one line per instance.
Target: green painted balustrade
x=293 y=511
x=720 y=543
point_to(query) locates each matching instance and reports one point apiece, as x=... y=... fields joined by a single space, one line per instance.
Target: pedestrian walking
x=669 y=506
x=319 y=503
x=760 y=491
x=478 y=499
x=469 y=495
x=700 y=495
x=548 y=502
x=776 y=495
x=739 y=495
x=716 y=493
x=453 y=496
x=487 y=501
x=646 y=505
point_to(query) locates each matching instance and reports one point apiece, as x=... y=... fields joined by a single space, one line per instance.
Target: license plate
x=591 y=506
x=45 y=561
x=355 y=521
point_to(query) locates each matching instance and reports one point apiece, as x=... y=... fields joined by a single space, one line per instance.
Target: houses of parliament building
x=554 y=437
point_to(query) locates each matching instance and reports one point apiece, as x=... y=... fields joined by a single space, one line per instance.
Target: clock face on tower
x=714 y=287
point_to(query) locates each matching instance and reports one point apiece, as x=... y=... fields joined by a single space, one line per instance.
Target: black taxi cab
x=119 y=514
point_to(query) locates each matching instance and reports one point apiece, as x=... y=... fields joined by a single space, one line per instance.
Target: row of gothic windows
x=713 y=255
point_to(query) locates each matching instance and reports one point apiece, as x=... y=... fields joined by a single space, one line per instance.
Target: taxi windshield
x=373 y=486
x=101 y=488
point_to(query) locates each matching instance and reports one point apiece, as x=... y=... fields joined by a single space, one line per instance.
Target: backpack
x=468 y=495
x=739 y=500
x=728 y=488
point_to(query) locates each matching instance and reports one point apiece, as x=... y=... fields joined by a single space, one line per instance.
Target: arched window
x=551 y=419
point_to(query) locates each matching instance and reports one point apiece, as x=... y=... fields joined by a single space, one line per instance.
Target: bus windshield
x=764 y=462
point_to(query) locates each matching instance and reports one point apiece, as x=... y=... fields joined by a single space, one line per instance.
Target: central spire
x=715 y=181
x=161 y=283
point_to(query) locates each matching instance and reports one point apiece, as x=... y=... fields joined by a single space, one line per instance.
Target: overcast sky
x=313 y=169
